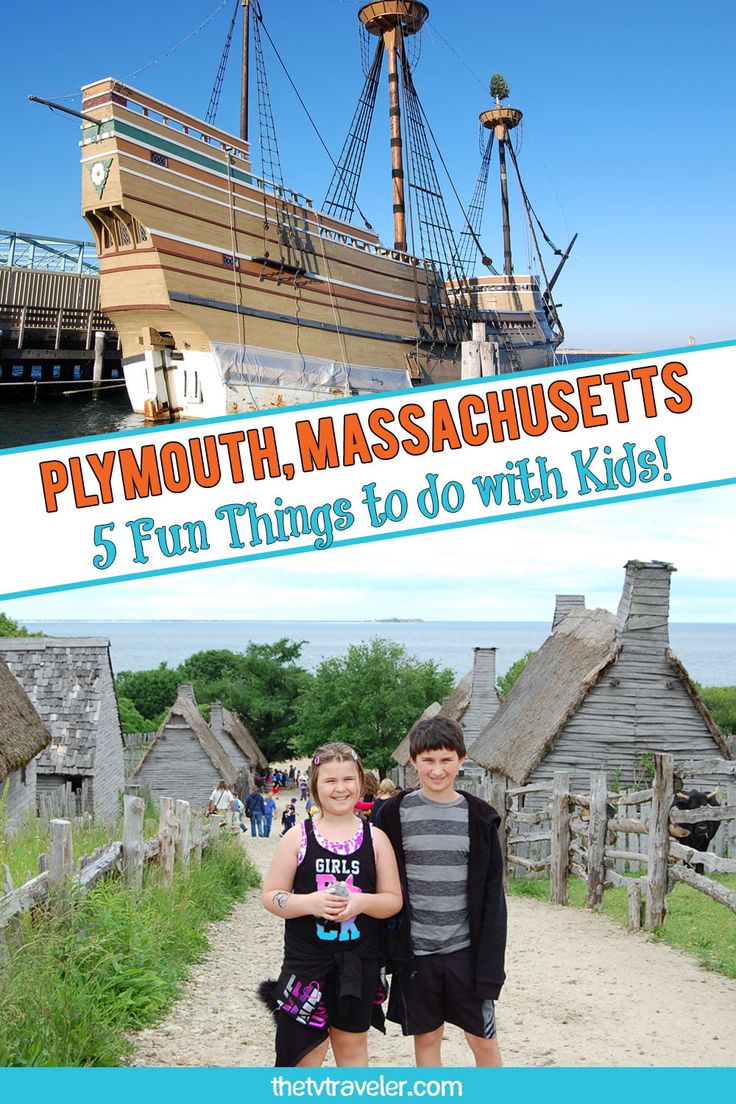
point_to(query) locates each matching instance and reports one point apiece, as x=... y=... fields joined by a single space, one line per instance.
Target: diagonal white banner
x=202 y=494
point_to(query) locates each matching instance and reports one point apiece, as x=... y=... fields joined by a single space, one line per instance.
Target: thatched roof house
x=185 y=759
x=602 y=692
x=70 y=684
x=236 y=738
x=22 y=736
x=472 y=703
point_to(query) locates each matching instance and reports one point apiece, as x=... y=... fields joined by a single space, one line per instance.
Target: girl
x=330 y=987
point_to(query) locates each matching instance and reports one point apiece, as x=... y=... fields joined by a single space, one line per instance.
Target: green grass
x=694 y=923
x=21 y=849
x=117 y=963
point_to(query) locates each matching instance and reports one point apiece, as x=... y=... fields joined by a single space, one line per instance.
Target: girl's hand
x=351 y=906
x=327 y=905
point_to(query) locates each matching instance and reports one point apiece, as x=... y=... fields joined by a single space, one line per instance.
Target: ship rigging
x=231 y=291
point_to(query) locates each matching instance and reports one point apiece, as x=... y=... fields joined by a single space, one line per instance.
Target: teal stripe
x=117 y=127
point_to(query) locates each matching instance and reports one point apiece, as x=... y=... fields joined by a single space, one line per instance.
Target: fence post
x=14 y=930
x=659 y=840
x=597 y=839
x=133 y=811
x=167 y=836
x=633 y=901
x=560 y=833
x=497 y=798
x=197 y=840
x=61 y=863
x=184 y=816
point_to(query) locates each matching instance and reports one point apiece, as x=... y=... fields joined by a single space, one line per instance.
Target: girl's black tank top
x=319 y=867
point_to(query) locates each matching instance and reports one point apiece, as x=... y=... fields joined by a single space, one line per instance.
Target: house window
x=56 y=372
x=23 y=775
x=17 y=371
x=36 y=371
x=77 y=372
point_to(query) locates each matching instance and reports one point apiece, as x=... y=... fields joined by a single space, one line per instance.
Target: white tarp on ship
x=247 y=364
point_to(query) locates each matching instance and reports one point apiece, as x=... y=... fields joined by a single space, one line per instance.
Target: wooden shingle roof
x=63 y=677
x=22 y=732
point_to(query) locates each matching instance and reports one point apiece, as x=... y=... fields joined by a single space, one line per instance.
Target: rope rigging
x=341 y=198
x=450 y=308
x=531 y=213
x=471 y=232
x=217 y=87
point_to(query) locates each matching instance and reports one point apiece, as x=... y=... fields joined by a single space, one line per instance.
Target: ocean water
x=24 y=422
x=707 y=650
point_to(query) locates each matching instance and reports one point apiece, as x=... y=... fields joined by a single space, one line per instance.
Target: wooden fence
x=588 y=836
x=180 y=838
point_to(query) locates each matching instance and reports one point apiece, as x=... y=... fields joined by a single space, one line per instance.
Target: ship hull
x=199 y=253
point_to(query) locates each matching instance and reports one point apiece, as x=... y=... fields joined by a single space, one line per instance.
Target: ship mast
x=393 y=21
x=502 y=120
x=244 y=73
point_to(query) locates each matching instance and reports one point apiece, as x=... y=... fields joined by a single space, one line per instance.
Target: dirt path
x=580 y=992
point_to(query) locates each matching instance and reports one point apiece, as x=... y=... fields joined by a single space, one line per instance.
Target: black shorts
x=439 y=989
x=295 y=1038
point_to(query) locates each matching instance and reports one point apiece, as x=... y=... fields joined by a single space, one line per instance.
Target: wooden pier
x=53 y=337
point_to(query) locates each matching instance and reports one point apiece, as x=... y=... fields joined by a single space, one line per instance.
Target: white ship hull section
x=236 y=378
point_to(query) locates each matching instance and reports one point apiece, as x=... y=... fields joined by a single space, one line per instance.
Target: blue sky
x=628 y=112
x=627 y=139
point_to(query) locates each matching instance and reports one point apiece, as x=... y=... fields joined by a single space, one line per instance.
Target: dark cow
x=699 y=834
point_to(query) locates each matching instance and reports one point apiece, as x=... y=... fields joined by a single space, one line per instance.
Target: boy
x=446 y=947
x=288 y=817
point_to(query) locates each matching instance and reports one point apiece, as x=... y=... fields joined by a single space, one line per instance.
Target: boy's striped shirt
x=436 y=847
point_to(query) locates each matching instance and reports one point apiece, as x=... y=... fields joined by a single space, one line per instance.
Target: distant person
x=291 y=775
x=254 y=807
x=386 y=789
x=446 y=951
x=220 y=801
x=312 y=807
x=364 y=806
x=302 y=783
x=288 y=817
x=269 y=810
x=238 y=811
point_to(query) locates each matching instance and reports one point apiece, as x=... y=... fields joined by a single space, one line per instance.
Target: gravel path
x=580 y=992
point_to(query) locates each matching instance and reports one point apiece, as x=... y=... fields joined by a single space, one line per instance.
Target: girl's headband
x=318 y=758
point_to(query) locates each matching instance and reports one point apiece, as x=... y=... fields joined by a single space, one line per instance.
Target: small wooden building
x=70 y=684
x=239 y=743
x=22 y=736
x=602 y=693
x=185 y=758
x=472 y=703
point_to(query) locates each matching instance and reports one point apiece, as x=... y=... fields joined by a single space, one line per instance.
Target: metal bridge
x=18 y=250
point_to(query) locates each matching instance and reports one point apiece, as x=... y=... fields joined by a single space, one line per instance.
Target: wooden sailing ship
x=231 y=292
